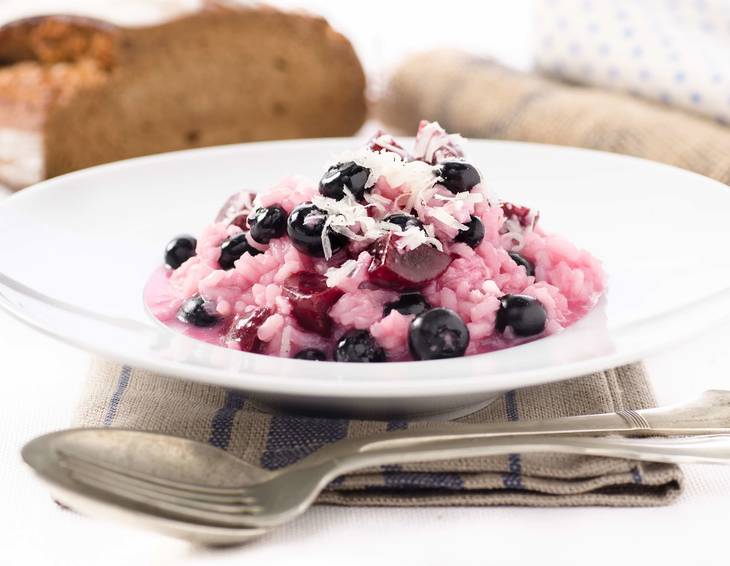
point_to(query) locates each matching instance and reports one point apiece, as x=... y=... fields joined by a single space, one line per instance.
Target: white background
x=40 y=382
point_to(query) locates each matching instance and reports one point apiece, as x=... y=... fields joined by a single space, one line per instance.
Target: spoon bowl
x=195 y=462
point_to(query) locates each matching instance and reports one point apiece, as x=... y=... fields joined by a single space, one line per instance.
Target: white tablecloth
x=40 y=382
x=39 y=386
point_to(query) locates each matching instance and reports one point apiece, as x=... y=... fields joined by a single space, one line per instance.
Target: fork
x=276 y=497
x=289 y=494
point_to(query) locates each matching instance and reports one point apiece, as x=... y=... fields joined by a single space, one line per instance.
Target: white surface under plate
x=76 y=251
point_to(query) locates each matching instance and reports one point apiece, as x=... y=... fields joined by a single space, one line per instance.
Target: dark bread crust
x=220 y=75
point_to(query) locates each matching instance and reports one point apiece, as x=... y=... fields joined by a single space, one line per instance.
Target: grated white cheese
x=458 y=202
x=421 y=192
x=417 y=182
x=432 y=143
x=390 y=227
x=347 y=217
x=387 y=142
x=443 y=216
x=336 y=275
x=285 y=341
x=462 y=198
x=391 y=167
x=379 y=202
x=326 y=244
x=413 y=237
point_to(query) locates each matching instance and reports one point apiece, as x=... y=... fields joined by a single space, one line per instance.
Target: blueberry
x=311 y=354
x=198 y=312
x=437 y=334
x=473 y=235
x=407 y=303
x=519 y=260
x=524 y=314
x=348 y=175
x=233 y=248
x=359 y=346
x=305 y=226
x=267 y=224
x=179 y=250
x=458 y=176
x=404 y=221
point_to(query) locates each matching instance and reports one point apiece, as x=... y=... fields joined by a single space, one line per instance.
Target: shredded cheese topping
x=442 y=215
x=417 y=182
x=413 y=237
x=379 y=202
x=391 y=167
x=347 y=217
x=336 y=275
x=285 y=348
x=387 y=142
x=434 y=144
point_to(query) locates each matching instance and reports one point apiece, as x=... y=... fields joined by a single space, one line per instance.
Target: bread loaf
x=76 y=91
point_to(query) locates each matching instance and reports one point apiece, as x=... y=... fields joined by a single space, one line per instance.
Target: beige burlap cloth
x=481 y=99
x=120 y=396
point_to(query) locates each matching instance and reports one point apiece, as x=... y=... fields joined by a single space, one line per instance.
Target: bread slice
x=76 y=92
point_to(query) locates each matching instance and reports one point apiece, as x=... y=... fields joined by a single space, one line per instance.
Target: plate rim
x=296 y=386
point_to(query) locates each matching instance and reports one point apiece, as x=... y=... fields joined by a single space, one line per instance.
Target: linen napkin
x=673 y=51
x=479 y=98
x=120 y=396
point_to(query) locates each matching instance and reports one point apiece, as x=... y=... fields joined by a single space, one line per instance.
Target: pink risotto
x=394 y=255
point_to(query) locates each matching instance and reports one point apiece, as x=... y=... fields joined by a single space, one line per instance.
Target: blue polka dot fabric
x=673 y=51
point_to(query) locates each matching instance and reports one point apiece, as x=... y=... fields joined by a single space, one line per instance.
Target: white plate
x=77 y=250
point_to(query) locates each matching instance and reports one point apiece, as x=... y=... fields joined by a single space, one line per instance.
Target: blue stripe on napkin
x=292 y=438
x=222 y=423
x=394 y=476
x=636 y=475
x=513 y=478
x=122 y=383
x=422 y=480
x=396 y=425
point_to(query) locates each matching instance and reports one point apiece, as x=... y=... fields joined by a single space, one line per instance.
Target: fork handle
x=707 y=415
x=704 y=449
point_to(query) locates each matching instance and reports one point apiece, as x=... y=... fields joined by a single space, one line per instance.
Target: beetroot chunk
x=235 y=210
x=311 y=301
x=520 y=213
x=405 y=270
x=243 y=332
